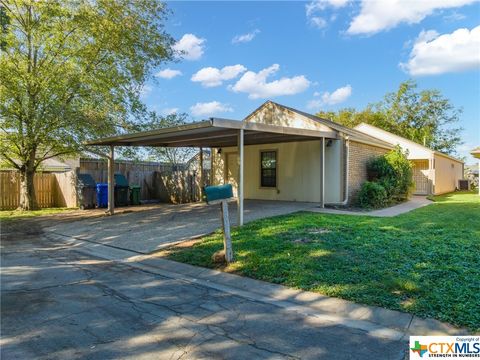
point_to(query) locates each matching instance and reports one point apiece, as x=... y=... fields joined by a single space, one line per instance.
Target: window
x=268 y=169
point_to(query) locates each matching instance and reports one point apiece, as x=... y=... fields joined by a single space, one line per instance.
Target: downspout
x=347 y=167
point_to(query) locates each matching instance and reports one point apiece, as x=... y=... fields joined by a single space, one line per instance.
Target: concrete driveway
x=164 y=224
x=60 y=302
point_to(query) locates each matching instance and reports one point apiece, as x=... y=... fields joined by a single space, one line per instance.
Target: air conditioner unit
x=463 y=184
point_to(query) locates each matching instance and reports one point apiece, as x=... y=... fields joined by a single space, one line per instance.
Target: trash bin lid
x=85 y=180
x=102 y=185
x=135 y=186
x=120 y=180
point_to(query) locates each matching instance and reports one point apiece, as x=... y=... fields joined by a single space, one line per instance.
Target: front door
x=231 y=171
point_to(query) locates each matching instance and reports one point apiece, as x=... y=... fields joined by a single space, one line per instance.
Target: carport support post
x=202 y=177
x=322 y=204
x=240 y=178
x=111 y=181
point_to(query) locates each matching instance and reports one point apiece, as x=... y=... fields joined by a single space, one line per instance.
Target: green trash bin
x=121 y=190
x=135 y=194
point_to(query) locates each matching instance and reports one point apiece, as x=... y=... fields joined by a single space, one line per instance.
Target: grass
x=425 y=262
x=7 y=215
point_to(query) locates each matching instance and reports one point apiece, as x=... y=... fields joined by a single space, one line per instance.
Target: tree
x=71 y=71
x=426 y=117
x=172 y=155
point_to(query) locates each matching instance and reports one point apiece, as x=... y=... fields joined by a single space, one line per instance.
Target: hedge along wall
x=359 y=156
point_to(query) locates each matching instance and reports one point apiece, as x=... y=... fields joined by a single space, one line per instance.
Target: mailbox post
x=221 y=194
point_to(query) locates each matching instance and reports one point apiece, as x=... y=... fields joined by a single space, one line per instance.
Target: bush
x=372 y=195
x=393 y=172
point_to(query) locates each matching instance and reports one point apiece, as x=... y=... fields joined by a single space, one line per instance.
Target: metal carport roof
x=214 y=132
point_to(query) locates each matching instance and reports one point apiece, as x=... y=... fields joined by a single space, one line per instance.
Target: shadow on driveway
x=165 y=224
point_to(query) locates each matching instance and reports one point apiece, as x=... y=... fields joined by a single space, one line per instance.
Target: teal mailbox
x=218 y=192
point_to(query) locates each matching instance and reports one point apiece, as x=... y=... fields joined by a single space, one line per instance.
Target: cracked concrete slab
x=165 y=224
x=65 y=303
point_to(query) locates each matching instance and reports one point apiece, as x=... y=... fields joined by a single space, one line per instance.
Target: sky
x=320 y=55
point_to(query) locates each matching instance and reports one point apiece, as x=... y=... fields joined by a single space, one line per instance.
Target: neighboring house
x=49 y=165
x=291 y=169
x=193 y=164
x=476 y=154
x=471 y=173
x=433 y=172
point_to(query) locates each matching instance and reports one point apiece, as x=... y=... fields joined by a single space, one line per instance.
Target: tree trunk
x=28 y=200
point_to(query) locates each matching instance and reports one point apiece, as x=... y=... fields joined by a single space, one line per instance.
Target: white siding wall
x=298 y=171
x=447 y=174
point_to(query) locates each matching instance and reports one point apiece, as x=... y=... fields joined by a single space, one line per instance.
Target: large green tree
x=426 y=117
x=72 y=70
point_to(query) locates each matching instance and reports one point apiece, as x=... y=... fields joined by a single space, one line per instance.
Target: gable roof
x=353 y=134
x=400 y=138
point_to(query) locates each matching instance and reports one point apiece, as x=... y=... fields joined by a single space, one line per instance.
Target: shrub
x=393 y=172
x=372 y=195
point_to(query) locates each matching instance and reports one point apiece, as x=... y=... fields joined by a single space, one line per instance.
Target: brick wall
x=357 y=172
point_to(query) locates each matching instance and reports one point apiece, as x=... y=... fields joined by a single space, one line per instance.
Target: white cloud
x=378 y=15
x=318 y=22
x=312 y=10
x=314 y=104
x=454 y=16
x=338 y=96
x=190 y=47
x=245 y=37
x=256 y=85
x=319 y=5
x=210 y=76
x=209 y=108
x=169 y=111
x=168 y=73
x=436 y=54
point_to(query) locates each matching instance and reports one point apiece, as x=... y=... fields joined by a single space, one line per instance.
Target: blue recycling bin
x=102 y=195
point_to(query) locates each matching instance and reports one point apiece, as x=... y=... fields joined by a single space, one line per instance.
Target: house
x=193 y=164
x=276 y=153
x=433 y=173
x=51 y=165
x=471 y=174
x=328 y=168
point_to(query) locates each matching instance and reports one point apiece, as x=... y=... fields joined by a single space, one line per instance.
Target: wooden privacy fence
x=157 y=182
x=178 y=187
x=51 y=189
x=137 y=173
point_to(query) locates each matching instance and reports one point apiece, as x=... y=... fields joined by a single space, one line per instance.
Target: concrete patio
x=162 y=225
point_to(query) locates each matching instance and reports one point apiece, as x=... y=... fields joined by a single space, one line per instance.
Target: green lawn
x=425 y=262
x=6 y=215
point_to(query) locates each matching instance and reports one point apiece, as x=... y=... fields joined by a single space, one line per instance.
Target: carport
x=214 y=133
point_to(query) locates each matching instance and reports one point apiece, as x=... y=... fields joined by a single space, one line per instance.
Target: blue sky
x=321 y=55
